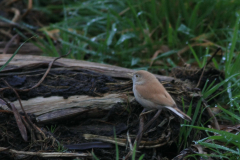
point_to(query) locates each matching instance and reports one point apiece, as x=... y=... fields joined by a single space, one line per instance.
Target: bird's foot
x=143 y=113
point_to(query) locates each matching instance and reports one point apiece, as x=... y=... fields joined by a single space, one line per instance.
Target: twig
x=46 y=73
x=211 y=115
x=44 y=76
x=129 y=141
x=6 y=111
x=29 y=129
x=28 y=8
x=214 y=54
x=16 y=95
x=9 y=43
x=6 y=33
x=123 y=142
x=45 y=154
x=200 y=77
x=16 y=14
x=28 y=119
x=19 y=122
x=203 y=69
x=15 y=18
x=181 y=57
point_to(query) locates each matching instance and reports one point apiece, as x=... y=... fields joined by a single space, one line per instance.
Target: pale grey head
x=140 y=77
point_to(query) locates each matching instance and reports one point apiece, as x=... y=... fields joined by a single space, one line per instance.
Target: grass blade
x=15 y=54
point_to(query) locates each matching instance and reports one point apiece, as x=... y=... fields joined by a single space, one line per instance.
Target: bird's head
x=141 y=77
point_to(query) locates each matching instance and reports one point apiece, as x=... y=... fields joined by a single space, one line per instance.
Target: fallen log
x=26 y=62
x=56 y=108
x=48 y=109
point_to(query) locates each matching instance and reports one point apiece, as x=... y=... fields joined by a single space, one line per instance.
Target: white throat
x=139 y=82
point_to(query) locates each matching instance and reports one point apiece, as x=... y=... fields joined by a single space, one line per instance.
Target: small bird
x=152 y=95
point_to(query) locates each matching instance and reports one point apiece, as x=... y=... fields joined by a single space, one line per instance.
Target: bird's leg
x=143 y=112
x=144 y=109
x=141 y=130
x=152 y=120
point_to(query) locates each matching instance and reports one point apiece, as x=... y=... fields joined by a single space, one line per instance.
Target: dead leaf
x=207 y=44
x=230 y=128
x=20 y=124
x=162 y=49
x=201 y=37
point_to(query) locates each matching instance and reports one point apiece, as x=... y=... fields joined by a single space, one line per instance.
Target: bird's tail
x=180 y=113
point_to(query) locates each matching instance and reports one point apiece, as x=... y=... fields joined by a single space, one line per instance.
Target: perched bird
x=152 y=95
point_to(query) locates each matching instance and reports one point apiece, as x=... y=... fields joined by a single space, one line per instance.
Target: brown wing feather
x=159 y=95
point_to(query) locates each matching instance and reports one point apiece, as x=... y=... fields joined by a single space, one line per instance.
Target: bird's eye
x=136 y=75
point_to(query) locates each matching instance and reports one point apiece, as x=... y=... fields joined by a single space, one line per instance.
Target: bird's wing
x=155 y=92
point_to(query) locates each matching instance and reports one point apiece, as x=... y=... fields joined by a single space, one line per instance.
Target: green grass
x=231 y=142
x=9 y=60
x=52 y=128
x=60 y=147
x=128 y=32
x=229 y=96
x=186 y=131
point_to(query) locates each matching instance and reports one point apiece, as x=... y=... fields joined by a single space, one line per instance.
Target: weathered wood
x=43 y=154
x=110 y=70
x=56 y=107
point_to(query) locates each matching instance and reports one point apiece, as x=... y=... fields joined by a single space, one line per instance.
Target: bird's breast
x=144 y=102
